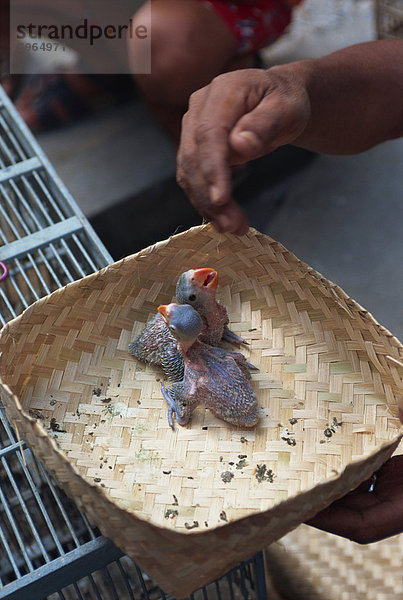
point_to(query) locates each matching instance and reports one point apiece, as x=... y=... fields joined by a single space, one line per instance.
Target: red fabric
x=254 y=24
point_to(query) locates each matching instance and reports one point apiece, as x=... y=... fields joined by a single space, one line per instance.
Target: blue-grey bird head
x=198 y=287
x=183 y=321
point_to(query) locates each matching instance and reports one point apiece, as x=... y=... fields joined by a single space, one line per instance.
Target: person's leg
x=190 y=44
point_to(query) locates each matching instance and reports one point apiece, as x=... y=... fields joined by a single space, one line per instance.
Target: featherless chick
x=215 y=377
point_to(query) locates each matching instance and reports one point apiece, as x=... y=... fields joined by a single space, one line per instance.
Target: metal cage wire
x=49 y=549
x=45 y=240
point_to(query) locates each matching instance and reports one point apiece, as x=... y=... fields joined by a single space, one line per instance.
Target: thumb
x=275 y=121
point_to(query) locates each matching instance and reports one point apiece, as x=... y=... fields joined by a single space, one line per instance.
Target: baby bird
x=212 y=376
x=157 y=346
x=198 y=288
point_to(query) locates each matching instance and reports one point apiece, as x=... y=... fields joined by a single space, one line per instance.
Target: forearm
x=355 y=94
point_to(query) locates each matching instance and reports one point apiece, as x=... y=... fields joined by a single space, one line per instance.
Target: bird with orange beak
x=215 y=377
x=156 y=345
x=198 y=288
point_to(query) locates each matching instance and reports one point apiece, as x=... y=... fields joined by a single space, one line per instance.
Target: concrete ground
x=341 y=215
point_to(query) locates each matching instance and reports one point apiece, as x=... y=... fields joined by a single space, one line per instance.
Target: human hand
x=366 y=516
x=238 y=117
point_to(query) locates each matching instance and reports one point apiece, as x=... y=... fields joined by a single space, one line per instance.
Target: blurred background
x=341 y=215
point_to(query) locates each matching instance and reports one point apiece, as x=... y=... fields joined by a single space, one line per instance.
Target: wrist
x=300 y=74
x=305 y=80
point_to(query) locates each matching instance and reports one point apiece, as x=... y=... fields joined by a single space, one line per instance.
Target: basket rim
x=333 y=289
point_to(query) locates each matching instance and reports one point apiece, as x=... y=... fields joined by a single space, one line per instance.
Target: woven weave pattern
x=327 y=386
x=340 y=569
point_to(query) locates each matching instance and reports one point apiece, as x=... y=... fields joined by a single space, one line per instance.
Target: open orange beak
x=163 y=311
x=206 y=278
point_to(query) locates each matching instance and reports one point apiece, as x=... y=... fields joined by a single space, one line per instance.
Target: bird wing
x=228 y=393
x=157 y=346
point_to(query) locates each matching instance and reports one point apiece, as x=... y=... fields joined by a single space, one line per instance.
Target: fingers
x=230 y=218
x=364 y=520
x=275 y=121
x=371 y=512
x=340 y=520
x=205 y=154
x=203 y=169
x=203 y=162
x=238 y=117
x=194 y=181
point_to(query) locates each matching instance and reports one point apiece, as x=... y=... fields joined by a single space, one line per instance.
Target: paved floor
x=341 y=215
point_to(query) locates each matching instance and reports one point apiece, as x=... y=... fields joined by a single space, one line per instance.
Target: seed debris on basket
x=170 y=513
x=227 y=476
x=264 y=474
x=36 y=414
x=54 y=426
x=329 y=431
x=286 y=435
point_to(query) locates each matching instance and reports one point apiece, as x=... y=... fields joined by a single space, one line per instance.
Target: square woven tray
x=328 y=382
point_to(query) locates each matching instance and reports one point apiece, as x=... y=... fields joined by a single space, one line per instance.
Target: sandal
x=49 y=101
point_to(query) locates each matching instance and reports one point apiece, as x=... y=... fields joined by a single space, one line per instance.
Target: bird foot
x=172 y=408
x=171 y=405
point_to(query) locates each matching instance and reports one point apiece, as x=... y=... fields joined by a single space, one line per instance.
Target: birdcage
x=48 y=547
x=389 y=19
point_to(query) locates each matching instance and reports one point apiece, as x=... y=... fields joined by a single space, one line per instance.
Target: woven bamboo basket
x=188 y=504
x=314 y=565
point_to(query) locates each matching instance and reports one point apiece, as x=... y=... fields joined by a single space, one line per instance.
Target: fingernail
x=215 y=194
x=250 y=137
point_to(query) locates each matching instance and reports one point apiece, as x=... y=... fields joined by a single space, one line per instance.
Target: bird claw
x=251 y=367
x=171 y=405
x=172 y=408
x=233 y=338
x=170 y=417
